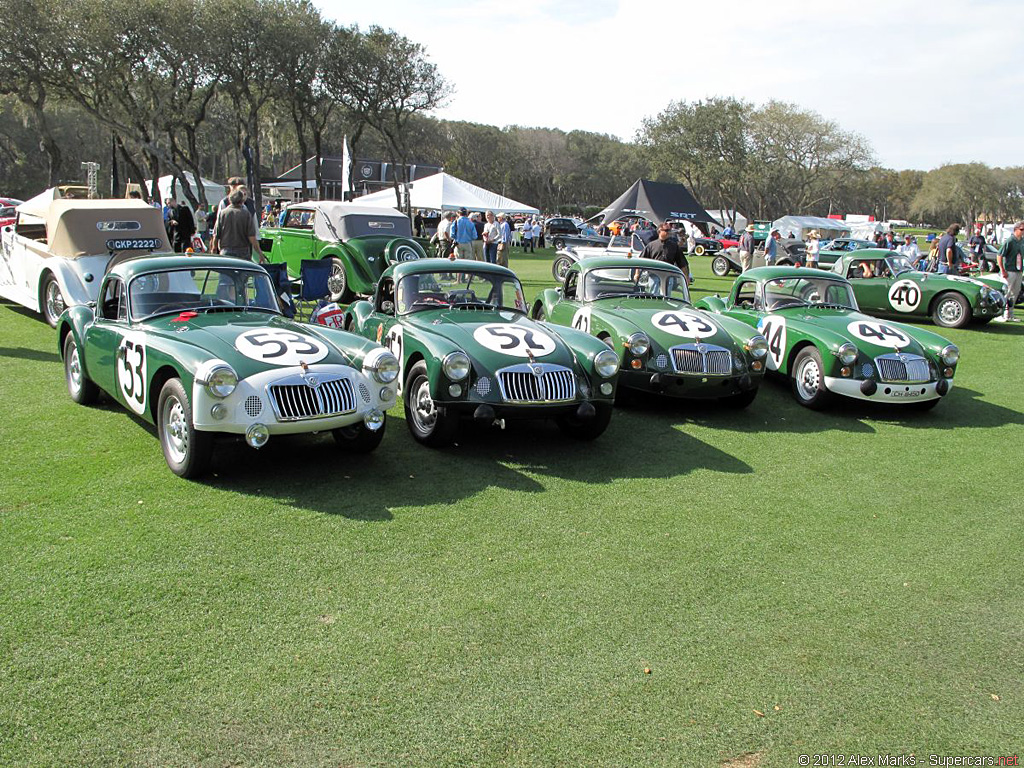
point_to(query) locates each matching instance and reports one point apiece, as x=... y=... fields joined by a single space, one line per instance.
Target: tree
x=30 y=36
x=703 y=145
x=957 y=193
x=384 y=80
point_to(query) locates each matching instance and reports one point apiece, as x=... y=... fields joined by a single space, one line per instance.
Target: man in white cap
x=746 y=247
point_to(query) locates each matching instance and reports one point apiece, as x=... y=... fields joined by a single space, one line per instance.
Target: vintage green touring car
x=360 y=242
x=641 y=309
x=198 y=346
x=468 y=349
x=818 y=338
x=886 y=284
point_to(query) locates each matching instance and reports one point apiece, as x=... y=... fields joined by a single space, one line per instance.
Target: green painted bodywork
x=431 y=334
x=617 y=318
x=827 y=329
x=364 y=258
x=177 y=348
x=873 y=293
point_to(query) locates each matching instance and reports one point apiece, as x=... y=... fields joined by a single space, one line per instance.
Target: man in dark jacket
x=185 y=228
x=666 y=248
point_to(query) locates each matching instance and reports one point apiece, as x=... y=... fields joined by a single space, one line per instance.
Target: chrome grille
x=537 y=383
x=297 y=400
x=705 y=359
x=911 y=368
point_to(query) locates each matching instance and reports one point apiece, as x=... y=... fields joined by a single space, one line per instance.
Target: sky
x=926 y=83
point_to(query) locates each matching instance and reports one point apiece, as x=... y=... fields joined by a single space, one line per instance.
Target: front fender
x=714 y=304
x=357 y=313
x=74 y=321
x=548 y=298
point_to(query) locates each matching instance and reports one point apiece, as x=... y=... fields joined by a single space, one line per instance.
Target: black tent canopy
x=658 y=202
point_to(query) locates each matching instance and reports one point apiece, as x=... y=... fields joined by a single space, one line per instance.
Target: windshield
x=460 y=290
x=201 y=290
x=900 y=264
x=808 y=292
x=610 y=282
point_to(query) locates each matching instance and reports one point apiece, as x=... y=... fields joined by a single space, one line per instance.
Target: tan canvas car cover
x=77 y=228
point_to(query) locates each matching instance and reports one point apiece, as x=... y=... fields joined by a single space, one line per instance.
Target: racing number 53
x=133 y=374
x=299 y=344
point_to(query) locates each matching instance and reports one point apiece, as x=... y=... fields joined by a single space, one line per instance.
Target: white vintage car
x=56 y=252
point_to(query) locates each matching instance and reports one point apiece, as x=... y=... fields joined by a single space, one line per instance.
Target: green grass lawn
x=796 y=582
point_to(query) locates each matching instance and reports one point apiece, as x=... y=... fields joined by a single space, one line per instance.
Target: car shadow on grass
x=24 y=353
x=309 y=472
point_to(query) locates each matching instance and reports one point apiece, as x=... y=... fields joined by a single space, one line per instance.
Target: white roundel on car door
x=132 y=371
x=279 y=346
x=773 y=328
x=905 y=295
x=515 y=340
x=687 y=325
x=581 y=320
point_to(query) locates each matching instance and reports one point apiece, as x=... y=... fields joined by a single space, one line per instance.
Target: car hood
x=645 y=314
x=467 y=329
x=838 y=321
x=216 y=334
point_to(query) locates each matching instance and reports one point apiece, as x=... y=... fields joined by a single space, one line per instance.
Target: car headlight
x=638 y=343
x=847 y=354
x=456 y=365
x=606 y=363
x=218 y=377
x=950 y=354
x=382 y=365
x=757 y=346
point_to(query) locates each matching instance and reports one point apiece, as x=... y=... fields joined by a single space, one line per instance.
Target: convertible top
x=76 y=228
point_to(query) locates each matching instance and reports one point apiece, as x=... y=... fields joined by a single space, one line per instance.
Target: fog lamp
x=455 y=390
x=606 y=388
x=257 y=435
x=385 y=394
x=947 y=372
x=373 y=420
x=636 y=365
x=757 y=365
x=844 y=371
x=219 y=411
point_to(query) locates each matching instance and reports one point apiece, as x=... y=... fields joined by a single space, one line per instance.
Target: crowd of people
x=484 y=236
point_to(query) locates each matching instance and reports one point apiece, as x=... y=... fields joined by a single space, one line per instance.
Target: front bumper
x=242 y=410
x=891 y=392
x=689 y=385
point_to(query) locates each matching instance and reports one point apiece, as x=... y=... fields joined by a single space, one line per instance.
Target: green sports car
x=886 y=284
x=819 y=339
x=467 y=348
x=359 y=242
x=198 y=346
x=641 y=309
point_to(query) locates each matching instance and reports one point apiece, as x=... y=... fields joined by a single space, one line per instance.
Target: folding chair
x=313 y=276
x=282 y=287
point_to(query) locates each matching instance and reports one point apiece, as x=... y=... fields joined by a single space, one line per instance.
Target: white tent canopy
x=799 y=226
x=724 y=216
x=214 y=191
x=444 y=192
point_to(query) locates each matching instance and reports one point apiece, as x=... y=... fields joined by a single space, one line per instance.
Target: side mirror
x=387 y=307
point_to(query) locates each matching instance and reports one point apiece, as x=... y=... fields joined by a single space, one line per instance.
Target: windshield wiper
x=472 y=305
x=827 y=305
x=643 y=295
